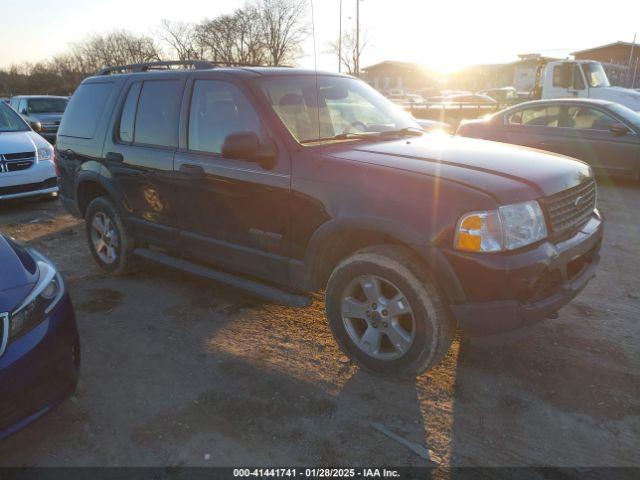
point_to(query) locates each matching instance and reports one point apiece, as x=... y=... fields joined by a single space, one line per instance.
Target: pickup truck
x=580 y=79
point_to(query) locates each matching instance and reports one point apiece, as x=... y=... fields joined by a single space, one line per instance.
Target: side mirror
x=618 y=129
x=246 y=146
x=24 y=112
x=36 y=126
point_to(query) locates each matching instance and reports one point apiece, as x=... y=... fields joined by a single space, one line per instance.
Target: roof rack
x=166 y=65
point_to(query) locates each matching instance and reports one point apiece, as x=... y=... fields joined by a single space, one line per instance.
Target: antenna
x=315 y=65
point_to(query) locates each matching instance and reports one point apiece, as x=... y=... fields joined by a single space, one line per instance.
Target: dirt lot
x=180 y=371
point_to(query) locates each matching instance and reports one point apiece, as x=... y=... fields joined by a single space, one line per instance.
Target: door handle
x=114 y=157
x=194 y=170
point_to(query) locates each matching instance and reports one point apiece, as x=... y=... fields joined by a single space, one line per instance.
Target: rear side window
x=158 y=112
x=85 y=109
x=128 y=117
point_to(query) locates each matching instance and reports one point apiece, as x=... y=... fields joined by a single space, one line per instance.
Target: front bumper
x=39 y=370
x=510 y=292
x=39 y=179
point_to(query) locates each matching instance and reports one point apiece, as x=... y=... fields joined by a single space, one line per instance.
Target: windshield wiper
x=340 y=136
x=407 y=131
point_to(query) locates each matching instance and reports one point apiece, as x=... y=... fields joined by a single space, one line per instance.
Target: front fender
x=419 y=243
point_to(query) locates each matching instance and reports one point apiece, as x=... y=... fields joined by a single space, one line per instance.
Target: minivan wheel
x=108 y=240
x=386 y=313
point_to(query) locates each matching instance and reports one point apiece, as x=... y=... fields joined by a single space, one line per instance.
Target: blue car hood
x=18 y=274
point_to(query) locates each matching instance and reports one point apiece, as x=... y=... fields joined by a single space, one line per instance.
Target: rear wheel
x=386 y=313
x=109 y=242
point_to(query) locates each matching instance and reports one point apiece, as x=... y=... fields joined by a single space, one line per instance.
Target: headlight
x=44 y=154
x=40 y=301
x=508 y=228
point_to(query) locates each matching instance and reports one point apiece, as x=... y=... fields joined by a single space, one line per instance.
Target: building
x=621 y=61
x=519 y=74
x=401 y=76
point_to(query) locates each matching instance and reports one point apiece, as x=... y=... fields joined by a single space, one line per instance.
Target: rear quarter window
x=85 y=109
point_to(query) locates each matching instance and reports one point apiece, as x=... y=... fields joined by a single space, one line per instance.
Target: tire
x=429 y=323
x=120 y=262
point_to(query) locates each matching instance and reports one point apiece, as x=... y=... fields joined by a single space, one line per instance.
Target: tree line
x=261 y=32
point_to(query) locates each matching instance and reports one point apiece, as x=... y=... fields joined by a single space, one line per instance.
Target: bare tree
x=284 y=26
x=115 y=48
x=235 y=38
x=181 y=38
x=349 y=55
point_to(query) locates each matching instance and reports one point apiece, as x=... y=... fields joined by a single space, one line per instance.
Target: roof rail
x=164 y=65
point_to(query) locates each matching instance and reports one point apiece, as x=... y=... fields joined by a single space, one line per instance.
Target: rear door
x=588 y=137
x=139 y=155
x=535 y=127
x=234 y=212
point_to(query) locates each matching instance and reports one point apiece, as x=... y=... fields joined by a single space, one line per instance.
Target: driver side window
x=219 y=109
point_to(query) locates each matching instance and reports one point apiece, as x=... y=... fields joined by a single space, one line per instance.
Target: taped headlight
x=508 y=228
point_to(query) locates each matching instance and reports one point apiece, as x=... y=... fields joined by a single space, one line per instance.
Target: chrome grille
x=570 y=209
x=14 y=162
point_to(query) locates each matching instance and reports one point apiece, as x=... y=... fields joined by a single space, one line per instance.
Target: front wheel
x=386 y=313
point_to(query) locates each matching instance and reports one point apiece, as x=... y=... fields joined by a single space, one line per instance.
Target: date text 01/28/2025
x=315 y=472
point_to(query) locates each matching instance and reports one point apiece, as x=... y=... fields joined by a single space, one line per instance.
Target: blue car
x=39 y=347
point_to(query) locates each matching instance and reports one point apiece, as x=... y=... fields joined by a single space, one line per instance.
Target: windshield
x=340 y=108
x=631 y=117
x=595 y=75
x=10 y=121
x=47 y=105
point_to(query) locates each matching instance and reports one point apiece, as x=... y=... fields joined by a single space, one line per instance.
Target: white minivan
x=26 y=159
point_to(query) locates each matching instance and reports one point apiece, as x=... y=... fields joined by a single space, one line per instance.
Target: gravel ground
x=182 y=371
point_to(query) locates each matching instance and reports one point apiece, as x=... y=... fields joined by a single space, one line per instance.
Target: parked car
x=463 y=98
x=433 y=125
x=4 y=100
x=606 y=135
x=407 y=100
x=26 y=159
x=39 y=346
x=266 y=173
x=503 y=95
x=42 y=112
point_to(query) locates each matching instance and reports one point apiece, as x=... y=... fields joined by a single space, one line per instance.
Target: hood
x=18 y=274
x=19 y=142
x=625 y=96
x=506 y=172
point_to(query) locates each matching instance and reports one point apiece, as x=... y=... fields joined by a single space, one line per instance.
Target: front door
x=588 y=137
x=234 y=212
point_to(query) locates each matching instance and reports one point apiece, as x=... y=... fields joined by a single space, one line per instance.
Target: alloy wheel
x=377 y=317
x=104 y=238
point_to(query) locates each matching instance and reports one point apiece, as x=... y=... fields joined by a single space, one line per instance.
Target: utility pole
x=357 y=69
x=631 y=58
x=340 y=40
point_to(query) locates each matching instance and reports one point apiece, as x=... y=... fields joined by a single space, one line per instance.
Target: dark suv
x=312 y=181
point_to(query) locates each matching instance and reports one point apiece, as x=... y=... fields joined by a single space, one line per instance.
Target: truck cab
x=583 y=79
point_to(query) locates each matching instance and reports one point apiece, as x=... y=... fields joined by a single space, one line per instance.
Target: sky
x=443 y=35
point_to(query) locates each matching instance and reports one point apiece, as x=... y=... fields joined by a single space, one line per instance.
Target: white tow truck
x=580 y=79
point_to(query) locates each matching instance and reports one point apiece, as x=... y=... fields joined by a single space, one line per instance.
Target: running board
x=267 y=292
